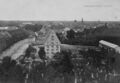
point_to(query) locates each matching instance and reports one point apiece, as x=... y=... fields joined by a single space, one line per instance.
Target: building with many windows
x=49 y=41
x=52 y=44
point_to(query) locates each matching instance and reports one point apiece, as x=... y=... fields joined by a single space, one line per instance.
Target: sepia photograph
x=59 y=41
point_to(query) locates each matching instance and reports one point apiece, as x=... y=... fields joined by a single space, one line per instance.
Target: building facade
x=49 y=40
x=52 y=44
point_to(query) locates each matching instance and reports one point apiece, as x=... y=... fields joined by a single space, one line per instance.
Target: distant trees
x=33 y=28
x=91 y=36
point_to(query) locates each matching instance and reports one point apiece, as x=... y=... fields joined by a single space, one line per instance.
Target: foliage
x=62 y=67
x=37 y=73
x=61 y=37
x=86 y=66
x=41 y=53
x=29 y=51
x=92 y=36
x=93 y=65
x=33 y=28
x=62 y=62
x=70 y=34
x=10 y=72
x=11 y=37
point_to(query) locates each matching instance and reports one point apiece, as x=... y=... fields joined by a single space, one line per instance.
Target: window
x=57 y=49
x=57 y=46
x=52 y=46
x=47 y=52
x=52 y=37
x=52 y=43
x=47 y=46
x=52 y=49
x=47 y=49
x=52 y=52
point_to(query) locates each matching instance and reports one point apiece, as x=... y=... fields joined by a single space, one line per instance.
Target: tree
x=94 y=65
x=33 y=28
x=10 y=71
x=42 y=53
x=29 y=51
x=6 y=63
x=15 y=74
x=62 y=64
x=71 y=34
x=37 y=73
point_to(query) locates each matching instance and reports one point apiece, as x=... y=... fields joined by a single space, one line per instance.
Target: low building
x=110 y=46
x=107 y=44
x=8 y=28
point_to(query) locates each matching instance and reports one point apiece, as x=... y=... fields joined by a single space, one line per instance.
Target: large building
x=49 y=41
x=52 y=44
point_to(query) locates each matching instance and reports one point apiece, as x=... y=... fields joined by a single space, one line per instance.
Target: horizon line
x=68 y=20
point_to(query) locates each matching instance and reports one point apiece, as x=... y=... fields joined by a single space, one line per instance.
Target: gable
x=52 y=38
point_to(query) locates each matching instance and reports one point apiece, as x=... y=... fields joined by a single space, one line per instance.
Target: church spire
x=82 y=20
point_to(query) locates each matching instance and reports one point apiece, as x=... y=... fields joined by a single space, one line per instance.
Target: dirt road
x=17 y=49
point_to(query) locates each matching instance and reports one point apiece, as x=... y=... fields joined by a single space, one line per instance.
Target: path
x=17 y=49
x=78 y=47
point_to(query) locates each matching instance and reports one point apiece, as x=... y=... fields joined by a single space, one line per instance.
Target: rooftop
x=42 y=37
x=109 y=44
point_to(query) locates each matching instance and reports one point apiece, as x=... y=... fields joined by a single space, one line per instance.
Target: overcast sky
x=60 y=9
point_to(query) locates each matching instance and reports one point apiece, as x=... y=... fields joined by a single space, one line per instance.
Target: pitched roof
x=111 y=45
x=117 y=49
x=42 y=38
x=51 y=32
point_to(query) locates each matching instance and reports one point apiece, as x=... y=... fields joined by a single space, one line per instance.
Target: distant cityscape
x=59 y=51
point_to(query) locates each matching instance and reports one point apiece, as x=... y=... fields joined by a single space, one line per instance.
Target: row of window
x=57 y=46
x=50 y=53
x=52 y=37
x=53 y=49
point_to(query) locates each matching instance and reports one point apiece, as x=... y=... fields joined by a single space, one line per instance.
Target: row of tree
x=91 y=36
x=8 y=38
x=65 y=67
x=34 y=27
